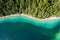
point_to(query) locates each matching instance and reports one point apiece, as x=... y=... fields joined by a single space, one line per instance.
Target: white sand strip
x=25 y=15
x=8 y=16
x=46 y=19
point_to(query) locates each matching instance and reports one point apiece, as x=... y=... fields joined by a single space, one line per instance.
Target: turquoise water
x=22 y=28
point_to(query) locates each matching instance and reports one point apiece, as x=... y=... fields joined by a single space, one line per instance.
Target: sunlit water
x=22 y=28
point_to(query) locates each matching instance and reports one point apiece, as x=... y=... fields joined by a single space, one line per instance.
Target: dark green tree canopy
x=36 y=8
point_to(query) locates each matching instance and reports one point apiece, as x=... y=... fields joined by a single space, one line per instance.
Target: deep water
x=22 y=28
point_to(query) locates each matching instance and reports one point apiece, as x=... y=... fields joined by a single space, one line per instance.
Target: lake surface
x=22 y=28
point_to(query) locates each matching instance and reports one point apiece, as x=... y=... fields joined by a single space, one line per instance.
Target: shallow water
x=22 y=28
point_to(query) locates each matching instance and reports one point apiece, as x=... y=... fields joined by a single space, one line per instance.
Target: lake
x=22 y=28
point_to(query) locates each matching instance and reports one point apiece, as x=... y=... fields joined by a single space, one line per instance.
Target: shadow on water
x=24 y=31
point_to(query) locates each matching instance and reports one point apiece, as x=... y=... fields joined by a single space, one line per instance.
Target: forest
x=35 y=8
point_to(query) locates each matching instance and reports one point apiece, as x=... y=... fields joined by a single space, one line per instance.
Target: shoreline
x=28 y=16
x=8 y=16
x=46 y=19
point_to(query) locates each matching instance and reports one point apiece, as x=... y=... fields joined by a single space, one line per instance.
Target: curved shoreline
x=8 y=16
x=51 y=19
x=47 y=23
x=28 y=16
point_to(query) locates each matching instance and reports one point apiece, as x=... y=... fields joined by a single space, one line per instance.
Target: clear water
x=22 y=28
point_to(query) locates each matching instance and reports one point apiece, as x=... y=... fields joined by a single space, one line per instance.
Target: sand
x=28 y=16
x=46 y=19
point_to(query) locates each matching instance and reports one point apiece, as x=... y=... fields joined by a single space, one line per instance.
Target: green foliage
x=35 y=8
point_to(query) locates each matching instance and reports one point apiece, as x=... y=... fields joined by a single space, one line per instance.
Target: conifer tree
x=36 y=8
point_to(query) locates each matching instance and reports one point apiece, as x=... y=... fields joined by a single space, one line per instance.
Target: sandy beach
x=8 y=16
x=28 y=16
x=46 y=19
